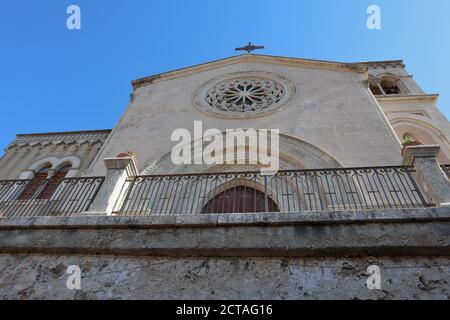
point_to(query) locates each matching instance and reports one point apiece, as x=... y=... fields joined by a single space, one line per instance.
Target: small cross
x=249 y=48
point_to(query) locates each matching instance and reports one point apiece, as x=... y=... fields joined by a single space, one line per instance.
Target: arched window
x=54 y=182
x=390 y=85
x=375 y=87
x=41 y=187
x=240 y=200
x=35 y=186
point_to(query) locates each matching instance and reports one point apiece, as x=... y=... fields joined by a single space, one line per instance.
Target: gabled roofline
x=308 y=63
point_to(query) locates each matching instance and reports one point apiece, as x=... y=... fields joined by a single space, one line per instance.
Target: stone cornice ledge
x=421 y=232
x=408 y=98
x=93 y=221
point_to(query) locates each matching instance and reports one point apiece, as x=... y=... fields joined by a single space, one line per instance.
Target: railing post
x=266 y=195
x=118 y=171
x=429 y=174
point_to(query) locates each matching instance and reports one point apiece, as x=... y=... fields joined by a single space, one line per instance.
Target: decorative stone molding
x=293 y=154
x=244 y=94
x=62 y=136
x=66 y=139
x=382 y=64
x=412 y=98
x=421 y=123
x=429 y=174
x=55 y=164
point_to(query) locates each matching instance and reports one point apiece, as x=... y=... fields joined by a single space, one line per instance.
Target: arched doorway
x=240 y=200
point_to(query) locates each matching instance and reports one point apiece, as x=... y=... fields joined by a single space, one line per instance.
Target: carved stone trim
x=245 y=94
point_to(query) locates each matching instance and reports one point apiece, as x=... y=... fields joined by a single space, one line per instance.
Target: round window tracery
x=244 y=94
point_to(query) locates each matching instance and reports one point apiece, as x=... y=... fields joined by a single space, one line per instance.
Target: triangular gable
x=306 y=63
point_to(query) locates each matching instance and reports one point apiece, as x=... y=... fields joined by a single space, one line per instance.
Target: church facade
x=362 y=180
x=356 y=115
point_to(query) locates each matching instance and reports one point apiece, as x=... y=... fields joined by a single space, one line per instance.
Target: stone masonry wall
x=315 y=255
x=121 y=277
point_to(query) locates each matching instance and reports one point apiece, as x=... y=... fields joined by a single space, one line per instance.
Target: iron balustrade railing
x=446 y=169
x=30 y=198
x=286 y=191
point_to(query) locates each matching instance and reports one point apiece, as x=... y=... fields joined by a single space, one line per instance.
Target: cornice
x=65 y=133
x=57 y=138
x=305 y=63
x=408 y=98
x=382 y=64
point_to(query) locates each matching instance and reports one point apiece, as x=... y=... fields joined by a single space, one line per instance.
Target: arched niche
x=426 y=133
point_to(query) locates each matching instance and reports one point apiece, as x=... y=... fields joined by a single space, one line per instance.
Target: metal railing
x=446 y=169
x=286 y=191
x=30 y=198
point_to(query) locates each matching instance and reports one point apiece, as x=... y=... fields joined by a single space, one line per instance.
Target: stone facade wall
x=321 y=255
x=24 y=155
x=331 y=110
x=124 y=277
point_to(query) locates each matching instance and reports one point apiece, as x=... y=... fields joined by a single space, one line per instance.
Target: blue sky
x=54 y=79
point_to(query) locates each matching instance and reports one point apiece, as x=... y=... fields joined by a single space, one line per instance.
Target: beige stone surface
x=412 y=111
x=332 y=110
x=119 y=277
x=262 y=256
x=29 y=153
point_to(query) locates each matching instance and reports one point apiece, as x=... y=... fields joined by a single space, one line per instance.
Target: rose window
x=245 y=95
